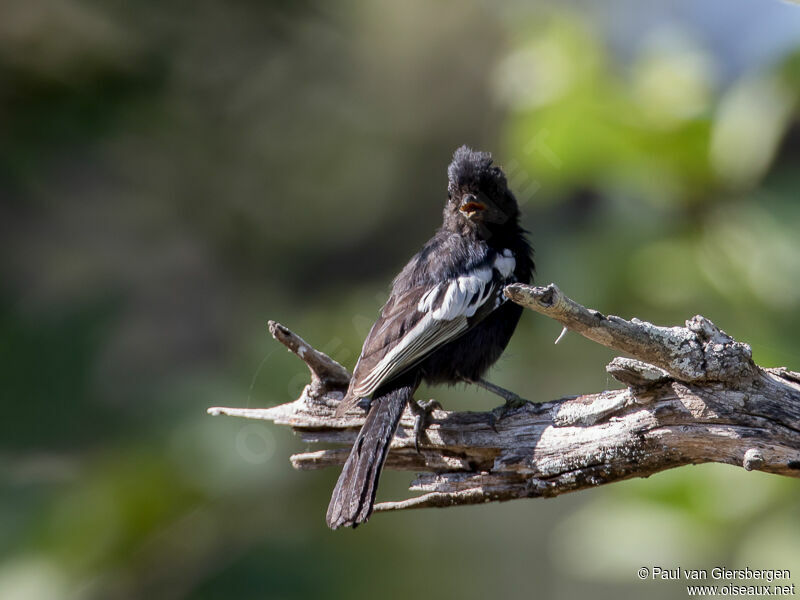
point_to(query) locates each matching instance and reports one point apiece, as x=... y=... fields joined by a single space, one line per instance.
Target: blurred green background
x=174 y=174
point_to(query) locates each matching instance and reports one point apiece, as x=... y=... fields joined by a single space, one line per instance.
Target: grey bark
x=693 y=395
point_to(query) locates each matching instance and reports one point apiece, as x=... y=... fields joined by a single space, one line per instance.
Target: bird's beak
x=471 y=207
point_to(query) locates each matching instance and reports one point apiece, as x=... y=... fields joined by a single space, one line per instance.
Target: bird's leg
x=512 y=400
x=422 y=411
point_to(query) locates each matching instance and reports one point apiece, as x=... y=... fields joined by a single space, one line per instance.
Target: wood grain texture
x=693 y=395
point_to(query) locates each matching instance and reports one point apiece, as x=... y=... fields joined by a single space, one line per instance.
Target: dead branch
x=693 y=395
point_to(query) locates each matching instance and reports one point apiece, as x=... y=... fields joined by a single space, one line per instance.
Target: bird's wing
x=417 y=322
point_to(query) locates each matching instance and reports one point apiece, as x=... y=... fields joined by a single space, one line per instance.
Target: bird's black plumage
x=446 y=320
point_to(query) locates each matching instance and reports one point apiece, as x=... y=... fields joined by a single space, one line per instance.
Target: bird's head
x=477 y=192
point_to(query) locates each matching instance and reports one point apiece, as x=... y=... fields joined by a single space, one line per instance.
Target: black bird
x=446 y=320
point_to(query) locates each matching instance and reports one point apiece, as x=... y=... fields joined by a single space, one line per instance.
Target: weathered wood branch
x=693 y=395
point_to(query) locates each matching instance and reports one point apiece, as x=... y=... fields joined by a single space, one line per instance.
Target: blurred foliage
x=173 y=175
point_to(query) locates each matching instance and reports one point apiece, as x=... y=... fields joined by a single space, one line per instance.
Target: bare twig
x=697 y=352
x=693 y=395
x=325 y=372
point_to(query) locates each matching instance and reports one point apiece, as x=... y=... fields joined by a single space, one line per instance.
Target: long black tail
x=354 y=494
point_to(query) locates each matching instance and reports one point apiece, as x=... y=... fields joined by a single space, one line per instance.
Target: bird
x=446 y=321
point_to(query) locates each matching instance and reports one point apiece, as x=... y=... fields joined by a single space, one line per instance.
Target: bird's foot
x=422 y=412
x=512 y=400
x=509 y=406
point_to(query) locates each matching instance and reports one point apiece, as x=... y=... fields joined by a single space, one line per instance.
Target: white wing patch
x=464 y=295
x=461 y=299
x=427 y=300
x=505 y=263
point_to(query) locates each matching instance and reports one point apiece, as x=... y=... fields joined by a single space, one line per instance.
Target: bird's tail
x=354 y=494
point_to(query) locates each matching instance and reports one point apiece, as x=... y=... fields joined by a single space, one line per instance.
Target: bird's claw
x=512 y=403
x=422 y=411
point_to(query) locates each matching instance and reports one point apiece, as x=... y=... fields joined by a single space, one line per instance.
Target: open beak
x=471 y=207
